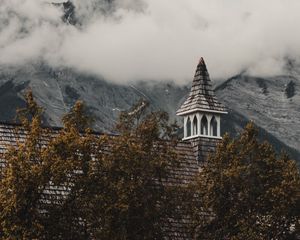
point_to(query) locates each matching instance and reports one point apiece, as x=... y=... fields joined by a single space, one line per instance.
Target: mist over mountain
x=133 y=40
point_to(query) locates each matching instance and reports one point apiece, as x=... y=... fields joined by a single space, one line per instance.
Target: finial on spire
x=201 y=61
x=201 y=66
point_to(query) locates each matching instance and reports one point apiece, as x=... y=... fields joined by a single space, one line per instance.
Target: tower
x=201 y=114
x=201 y=111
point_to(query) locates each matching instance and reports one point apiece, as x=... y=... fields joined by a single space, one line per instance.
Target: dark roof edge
x=14 y=124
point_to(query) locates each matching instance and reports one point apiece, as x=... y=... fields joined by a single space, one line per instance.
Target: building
x=201 y=114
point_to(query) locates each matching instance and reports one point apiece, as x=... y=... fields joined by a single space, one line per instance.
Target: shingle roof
x=201 y=97
x=10 y=134
x=182 y=174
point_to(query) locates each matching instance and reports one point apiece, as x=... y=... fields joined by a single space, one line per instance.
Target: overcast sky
x=154 y=39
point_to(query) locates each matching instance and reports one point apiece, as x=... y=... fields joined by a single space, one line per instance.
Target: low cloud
x=129 y=40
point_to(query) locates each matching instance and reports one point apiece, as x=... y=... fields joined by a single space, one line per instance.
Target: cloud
x=129 y=40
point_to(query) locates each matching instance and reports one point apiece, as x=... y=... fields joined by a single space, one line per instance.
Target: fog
x=162 y=40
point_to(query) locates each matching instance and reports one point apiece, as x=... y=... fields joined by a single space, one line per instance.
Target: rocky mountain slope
x=57 y=90
x=272 y=103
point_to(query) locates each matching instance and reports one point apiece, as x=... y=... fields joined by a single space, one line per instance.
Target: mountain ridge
x=264 y=100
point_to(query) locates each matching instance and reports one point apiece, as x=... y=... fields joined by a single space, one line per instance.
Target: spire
x=201 y=97
x=201 y=63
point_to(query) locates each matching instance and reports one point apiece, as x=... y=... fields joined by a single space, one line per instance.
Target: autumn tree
x=116 y=183
x=73 y=183
x=24 y=177
x=71 y=152
x=137 y=165
x=246 y=191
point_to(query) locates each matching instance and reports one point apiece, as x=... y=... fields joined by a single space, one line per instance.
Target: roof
x=188 y=166
x=202 y=96
x=181 y=174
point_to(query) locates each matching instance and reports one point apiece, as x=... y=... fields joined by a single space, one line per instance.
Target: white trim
x=205 y=136
x=200 y=110
x=218 y=118
x=209 y=117
x=193 y=125
x=184 y=125
x=199 y=117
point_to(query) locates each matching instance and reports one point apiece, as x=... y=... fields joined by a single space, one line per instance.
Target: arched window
x=214 y=127
x=204 y=128
x=188 y=127
x=195 y=126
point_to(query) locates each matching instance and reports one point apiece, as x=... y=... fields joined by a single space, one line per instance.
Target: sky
x=162 y=40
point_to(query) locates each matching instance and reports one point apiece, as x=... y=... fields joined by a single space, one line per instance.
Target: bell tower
x=201 y=111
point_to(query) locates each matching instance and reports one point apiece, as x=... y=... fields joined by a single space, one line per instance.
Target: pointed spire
x=201 y=67
x=201 y=97
x=201 y=62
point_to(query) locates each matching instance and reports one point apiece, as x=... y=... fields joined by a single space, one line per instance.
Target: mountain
x=58 y=89
x=272 y=103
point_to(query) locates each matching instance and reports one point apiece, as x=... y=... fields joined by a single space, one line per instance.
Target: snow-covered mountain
x=57 y=90
x=272 y=103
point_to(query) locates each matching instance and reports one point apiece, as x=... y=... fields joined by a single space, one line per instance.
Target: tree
x=117 y=190
x=73 y=183
x=245 y=191
x=71 y=152
x=24 y=178
x=137 y=165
